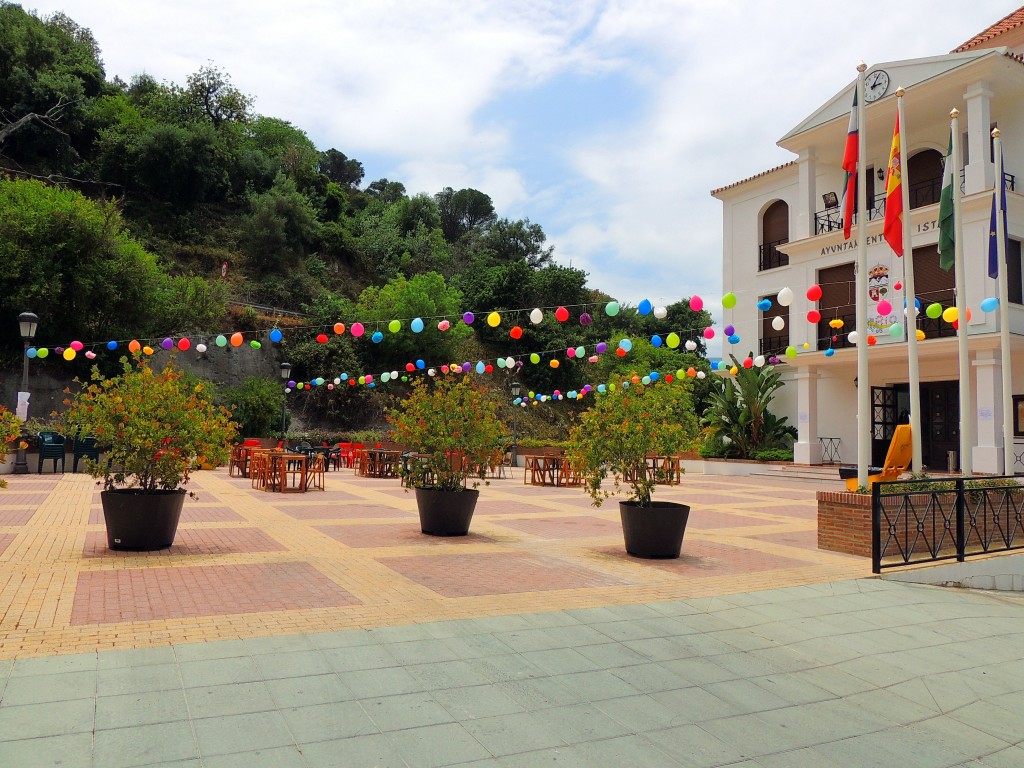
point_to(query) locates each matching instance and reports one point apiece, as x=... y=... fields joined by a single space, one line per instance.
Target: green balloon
x=611 y=308
x=934 y=310
x=790 y=352
x=729 y=300
x=42 y=352
x=394 y=326
x=895 y=330
x=221 y=341
x=534 y=358
x=255 y=344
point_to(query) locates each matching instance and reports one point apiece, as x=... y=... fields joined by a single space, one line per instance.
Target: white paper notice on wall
x=984 y=414
x=22 y=410
x=804 y=417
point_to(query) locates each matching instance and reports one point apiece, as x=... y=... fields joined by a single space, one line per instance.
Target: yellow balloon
x=494 y=319
x=920 y=335
x=949 y=314
x=69 y=354
x=734 y=370
x=148 y=350
x=806 y=345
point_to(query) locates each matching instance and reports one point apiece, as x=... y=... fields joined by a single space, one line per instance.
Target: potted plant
x=154 y=429
x=10 y=433
x=615 y=437
x=451 y=429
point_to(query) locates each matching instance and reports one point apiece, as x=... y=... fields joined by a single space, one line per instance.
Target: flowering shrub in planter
x=153 y=427
x=10 y=431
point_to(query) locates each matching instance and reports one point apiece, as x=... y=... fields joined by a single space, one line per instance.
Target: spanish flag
x=850 y=166
x=893 y=227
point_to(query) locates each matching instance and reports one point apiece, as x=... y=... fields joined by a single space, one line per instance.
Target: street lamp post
x=286 y=370
x=516 y=389
x=28 y=322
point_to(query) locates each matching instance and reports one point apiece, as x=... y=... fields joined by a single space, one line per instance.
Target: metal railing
x=924 y=521
x=773 y=345
x=771 y=256
x=934 y=328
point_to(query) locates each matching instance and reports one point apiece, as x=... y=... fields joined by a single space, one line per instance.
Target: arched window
x=924 y=174
x=774 y=232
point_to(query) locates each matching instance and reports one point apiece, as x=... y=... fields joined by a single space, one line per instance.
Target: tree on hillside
x=340 y=169
x=463 y=211
x=520 y=240
x=209 y=94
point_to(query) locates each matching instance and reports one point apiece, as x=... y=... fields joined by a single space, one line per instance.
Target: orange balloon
x=554 y=363
x=236 y=339
x=134 y=346
x=339 y=328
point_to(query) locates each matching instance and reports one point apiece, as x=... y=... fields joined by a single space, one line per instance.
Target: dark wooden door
x=940 y=422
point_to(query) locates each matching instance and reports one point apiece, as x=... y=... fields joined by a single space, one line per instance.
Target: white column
x=978 y=173
x=807 y=449
x=807 y=193
x=988 y=452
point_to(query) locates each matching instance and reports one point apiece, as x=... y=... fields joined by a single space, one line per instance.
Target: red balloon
x=748 y=363
x=488 y=369
x=813 y=316
x=814 y=293
x=410 y=367
x=669 y=378
x=561 y=314
x=872 y=340
x=321 y=338
x=620 y=352
x=516 y=332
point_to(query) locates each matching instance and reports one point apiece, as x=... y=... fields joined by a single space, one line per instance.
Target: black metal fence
x=923 y=521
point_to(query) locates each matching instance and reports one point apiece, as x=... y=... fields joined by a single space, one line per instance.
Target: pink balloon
x=709 y=333
x=357 y=329
x=884 y=307
x=696 y=303
x=76 y=345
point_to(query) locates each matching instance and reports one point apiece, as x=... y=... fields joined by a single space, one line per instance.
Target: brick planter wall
x=844 y=522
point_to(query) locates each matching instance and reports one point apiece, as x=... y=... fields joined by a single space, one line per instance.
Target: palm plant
x=738 y=411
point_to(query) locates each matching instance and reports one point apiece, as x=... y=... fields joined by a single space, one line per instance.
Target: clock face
x=875 y=85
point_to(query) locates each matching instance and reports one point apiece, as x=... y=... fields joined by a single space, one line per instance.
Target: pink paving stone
x=17 y=516
x=5 y=541
x=146 y=594
x=339 y=511
x=468 y=575
x=507 y=507
x=197 y=514
x=564 y=527
x=198 y=541
x=802 y=539
x=393 y=535
x=709 y=559
x=709 y=519
x=95 y=515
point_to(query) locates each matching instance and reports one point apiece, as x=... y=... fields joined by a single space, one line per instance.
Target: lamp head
x=516 y=388
x=28 y=322
x=286 y=369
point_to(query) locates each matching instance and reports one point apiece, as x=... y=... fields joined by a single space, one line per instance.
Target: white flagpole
x=911 y=296
x=863 y=379
x=966 y=415
x=1006 y=361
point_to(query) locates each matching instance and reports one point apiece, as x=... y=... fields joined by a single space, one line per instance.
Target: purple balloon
x=728 y=330
x=586 y=319
x=468 y=318
x=601 y=347
x=291 y=384
x=167 y=343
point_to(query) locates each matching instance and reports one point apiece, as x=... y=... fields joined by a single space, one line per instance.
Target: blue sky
x=607 y=122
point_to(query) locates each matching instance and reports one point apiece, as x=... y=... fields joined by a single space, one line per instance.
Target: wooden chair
x=315 y=472
x=897 y=461
x=239 y=460
x=259 y=469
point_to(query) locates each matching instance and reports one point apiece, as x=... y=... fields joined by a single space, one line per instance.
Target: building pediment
x=906 y=73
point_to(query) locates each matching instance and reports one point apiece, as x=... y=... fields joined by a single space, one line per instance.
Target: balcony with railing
x=934 y=328
x=922 y=193
x=771 y=257
x=774 y=345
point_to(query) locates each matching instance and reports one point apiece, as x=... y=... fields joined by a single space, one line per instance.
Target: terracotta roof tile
x=751 y=178
x=1005 y=24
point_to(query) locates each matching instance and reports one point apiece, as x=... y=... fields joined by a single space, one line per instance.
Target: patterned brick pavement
x=249 y=564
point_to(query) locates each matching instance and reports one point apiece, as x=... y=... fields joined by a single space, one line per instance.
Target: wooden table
x=289 y=472
x=544 y=470
x=378 y=462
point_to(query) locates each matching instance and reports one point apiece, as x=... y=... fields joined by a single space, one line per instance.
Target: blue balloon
x=990 y=304
x=480 y=367
x=416 y=325
x=734 y=339
x=31 y=354
x=829 y=352
x=644 y=307
x=654 y=375
x=344 y=377
x=377 y=337
x=111 y=345
x=626 y=344
x=276 y=335
x=764 y=305
x=420 y=364
x=625 y=385
x=601 y=388
x=655 y=341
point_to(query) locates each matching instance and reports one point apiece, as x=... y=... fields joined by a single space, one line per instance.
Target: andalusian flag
x=947 y=234
x=998 y=209
x=893 y=228
x=850 y=166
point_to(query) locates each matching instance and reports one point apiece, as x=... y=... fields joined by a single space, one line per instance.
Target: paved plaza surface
x=323 y=629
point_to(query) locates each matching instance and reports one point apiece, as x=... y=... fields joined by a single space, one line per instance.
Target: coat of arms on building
x=878 y=282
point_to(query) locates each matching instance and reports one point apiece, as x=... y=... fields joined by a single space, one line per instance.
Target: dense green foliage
x=120 y=201
x=738 y=418
x=255 y=405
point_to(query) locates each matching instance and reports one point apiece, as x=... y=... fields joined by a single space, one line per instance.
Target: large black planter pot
x=141 y=521
x=446 y=513
x=654 y=531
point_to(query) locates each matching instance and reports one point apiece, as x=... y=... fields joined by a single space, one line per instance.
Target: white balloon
x=536 y=316
x=853 y=336
x=394 y=374
x=785 y=297
x=778 y=323
x=701 y=374
x=510 y=362
x=431 y=372
x=660 y=312
x=759 y=361
x=691 y=345
x=200 y=348
x=337 y=380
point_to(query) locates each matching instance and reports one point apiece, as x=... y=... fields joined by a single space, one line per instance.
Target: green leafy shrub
x=256 y=405
x=773 y=454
